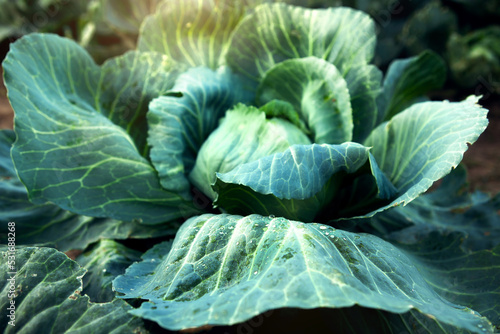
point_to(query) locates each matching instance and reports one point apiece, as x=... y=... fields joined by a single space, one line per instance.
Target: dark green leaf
x=225 y=269
x=44 y=288
x=68 y=150
x=47 y=224
x=104 y=262
x=408 y=79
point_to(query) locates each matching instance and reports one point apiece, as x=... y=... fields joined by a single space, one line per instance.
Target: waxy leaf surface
x=81 y=131
x=225 y=269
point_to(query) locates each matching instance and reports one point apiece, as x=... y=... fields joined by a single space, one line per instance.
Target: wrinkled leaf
x=225 y=269
x=181 y=120
x=244 y=135
x=277 y=32
x=47 y=224
x=46 y=286
x=68 y=150
x=423 y=143
x=466 y=278
x=192 y=32
x=317 y=91
x=106 y=260
x=304 y=181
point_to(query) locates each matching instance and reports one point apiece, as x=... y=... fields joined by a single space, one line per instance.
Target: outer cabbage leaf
x=225 y=269
x=463 y=277
x=244 y=135
x=449 y=209
x=181 y=120
x=48 y=224
x=274 y=33
x=106 y=260
x=306 y=182
x=423 y=143
x=69 y=150
x=317 y=91
x=47 y=285
x=408 y=79
x=192 y=32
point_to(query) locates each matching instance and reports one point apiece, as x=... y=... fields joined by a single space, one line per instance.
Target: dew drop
x=322 y=227
x=326 y=233
x=237 y=243
x=255 y=272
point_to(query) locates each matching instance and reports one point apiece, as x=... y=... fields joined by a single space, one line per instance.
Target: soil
x=482 y=159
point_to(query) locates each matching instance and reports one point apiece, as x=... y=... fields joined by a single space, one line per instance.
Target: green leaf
x=225 y=269
x=306 y=182
x=44 y=288
x=47 y=224
x=192 y=32
x=274 y=33
x=317 y=91
x=423 y=143
x=180 y=121
x=285 y=110
x=449 y=209
x=69 y=150
x=104 y=262
x=463 y=277
x=244 y=135
x=363 y=84
x=408 y=79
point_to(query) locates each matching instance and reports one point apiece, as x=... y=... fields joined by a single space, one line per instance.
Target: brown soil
x=482 y=159
x=6 y=114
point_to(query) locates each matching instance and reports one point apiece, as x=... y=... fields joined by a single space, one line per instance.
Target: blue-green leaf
x=80 y=129
x=48 y=224
x=304 y=181
x=105 y=261
x=423 y=143
x=449 y=209
x=225 y=269
x=463 y=277
x=408 y=79
x=244 y=135
x=277 y=32
x=317 y=91
x=44 y=287
x=181 y=120
x=363 y=84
